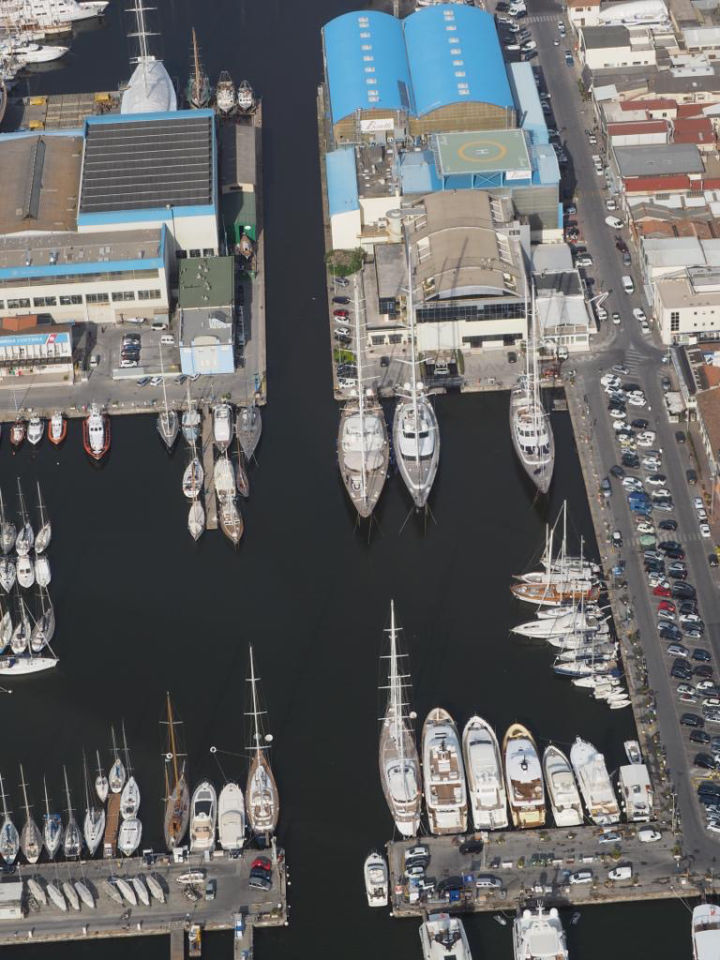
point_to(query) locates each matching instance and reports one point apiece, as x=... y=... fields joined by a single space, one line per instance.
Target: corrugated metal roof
x=366 y=63
x=418 y=172
x=544 y=160
x=694 y=130
x=527 y=100
x=673 y=252
x=454 y=55
x=341 y=180
x=658 y=159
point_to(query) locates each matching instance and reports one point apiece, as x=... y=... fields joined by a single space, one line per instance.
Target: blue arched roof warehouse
x=454 y=55
x=366 y=63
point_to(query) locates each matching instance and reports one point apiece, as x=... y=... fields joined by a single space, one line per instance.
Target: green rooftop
x=206 y=282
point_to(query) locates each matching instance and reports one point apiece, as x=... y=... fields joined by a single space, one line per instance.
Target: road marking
x=541 y=18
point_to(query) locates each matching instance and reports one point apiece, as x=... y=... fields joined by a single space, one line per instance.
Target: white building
x=583 y=13
x=611 y=47
x=688 y=306
x=636 y=792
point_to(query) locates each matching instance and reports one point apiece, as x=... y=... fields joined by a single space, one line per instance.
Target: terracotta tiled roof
x=657 y=184
x=635 y=127
x=658 y=104
x=694 y=130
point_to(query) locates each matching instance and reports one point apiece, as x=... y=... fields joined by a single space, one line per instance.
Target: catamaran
x=398 y=756
x=363 y=448
x=483 y=766
x=31 y=842
x=529 y=422
x=261 y=794
x=416 y=435
x=444 y=775
x=177 y=792
x=44 y=534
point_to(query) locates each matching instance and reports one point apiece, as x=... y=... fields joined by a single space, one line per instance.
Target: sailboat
x=72 y=841
x=94 y=822
x=52 y=827
x=44 y=628
x=130 y=795
x=44 y=534
x=8 y=531
x=9 y=838
x=191 y=421
x=363 y=448
x=416 y=435
x=26 y=571
x=8 y=574
x=248 y=428
x=22 y=632
x=57 y=428
x=261 y=795
x=196 y=519
x=101 y=781
x=25 y=539
x=198 y=88
x=31 y=842
x=41 y=572
x=398 y=757
x=177 y=793
x=18 y=429
x=222 y=415
x=6 y=628
x=193 y=477
x=117 y=775
x=129 y=836
x=150 y=89
x=168 y=424
x=231 y=520
x=530 y=426
x=242 y=481
x=225 y=94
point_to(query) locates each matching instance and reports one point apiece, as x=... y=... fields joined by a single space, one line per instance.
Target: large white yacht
x=539 y=936
x=445 y=790
x=562 y=789
x=524 y=778
x=483 y=767
x=706 y=932
x=443 y=938
x=594 y=781
x=231 y=817
x=375 y=872
x=398 y=758
x=363 y=452
x=203 y=815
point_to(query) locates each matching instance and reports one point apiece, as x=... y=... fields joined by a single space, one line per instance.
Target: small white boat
x=35 y=430
x=633 y=751
x=443 y=938
x=71 y=894
x=245 y=97
x=26 y=571
x=129 y=836
x=156 y=888
x=222 y=426
x=52 y=827
x=21 y=666
x=375 y=873
x=8 y=574
x=126 y=890
x=225 y=94
x=203 y=817
x=37 y=890
x=6 y=630
x=191 y=876
x=93 y=829
x=619 y=704
x=141 y=890
x=42 y=572
x=193 y=479
x=231 y=817
x=21 y=633
x=110 y=888
x=57 y=897
x=84 y=893
x=224 y=477
x=196 y=520
x=130 y=799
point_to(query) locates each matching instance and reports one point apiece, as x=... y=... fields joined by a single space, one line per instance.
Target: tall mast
x=196 y=58
x=173 y=749
x=23 y=787
x=162 y=372
x=413 y=360
x=47 y=802
x=85 y=778
x=127 y=751
x=254 y=701
x=67 y=792
x=361 y=395
x=4 y=798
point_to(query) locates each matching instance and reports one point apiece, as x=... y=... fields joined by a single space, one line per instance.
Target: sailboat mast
x=4 y=798
x=361 y=396
x=67 y=791
x=197 y=65
x=47 y=802
x=23 y=787
x=413 y=359
x=173 y=748
x=162 y=373
x=254 y=701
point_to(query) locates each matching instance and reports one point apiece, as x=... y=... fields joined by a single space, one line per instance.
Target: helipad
x=483 y=152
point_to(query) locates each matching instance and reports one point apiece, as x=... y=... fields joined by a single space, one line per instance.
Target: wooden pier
x=177 y=944
x=112 y=825
x=208 y=459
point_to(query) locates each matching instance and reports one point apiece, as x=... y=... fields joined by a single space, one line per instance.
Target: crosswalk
x=633 y=358
x=681 y=536
x=541 y=18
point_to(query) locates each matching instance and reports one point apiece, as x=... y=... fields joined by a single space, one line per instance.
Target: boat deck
x=208 y=458
x=172 y=919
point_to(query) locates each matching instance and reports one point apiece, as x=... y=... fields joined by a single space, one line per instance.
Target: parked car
x=691 y=477
x=692 y=720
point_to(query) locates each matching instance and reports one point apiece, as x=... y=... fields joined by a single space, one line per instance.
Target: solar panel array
x=137 y=165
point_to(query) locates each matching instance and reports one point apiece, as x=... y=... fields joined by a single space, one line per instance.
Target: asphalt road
x=642 y=354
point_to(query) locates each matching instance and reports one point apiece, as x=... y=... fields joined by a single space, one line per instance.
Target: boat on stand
x=483 y=768
x=416 y=434
x=261 y=795
x=31 y=842
x=524 y=778
x=444 y=774
x=177 y=792
x=398 y=757
x=363 y=447
x=530 y=425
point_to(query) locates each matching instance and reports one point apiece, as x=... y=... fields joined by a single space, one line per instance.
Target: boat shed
x=238 y=181
x=206 y=308
x=636 y=792
x=11 y=892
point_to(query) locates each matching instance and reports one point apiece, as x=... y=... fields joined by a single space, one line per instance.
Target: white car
x=662 y=494
x=616 y=319
x=584 y=261
x=651 y=463
x=632 y=483
x=610 y=380
x=644 y=326
x=648 y=835
x=623 y=872
x=343 y=332
x=705 y=531
x=636 y=401
x=618 y=414
x=639 y=314
x=561 y=27
x=645 y=527
x=610 y=204
x=134 y=319
x=698 y=503
x=614 y=222
x=530 y=45
x=646 y=438
x=346 y=383
x=601 y=312
x=155 y=381
x=581 y=876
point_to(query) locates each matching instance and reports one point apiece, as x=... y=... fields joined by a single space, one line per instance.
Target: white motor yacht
x=203 y=816
x=524 y=778
x=231 y=817
x=483 y=767
x=222 y=426
x=376 y=880
x=36 y=425
x=443 y=938
x=444 y=775
x=562 y=789
x=594 y=781
x=706 y=931
x=539 y=935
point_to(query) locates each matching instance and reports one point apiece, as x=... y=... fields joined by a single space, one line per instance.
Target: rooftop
x=206 y=282
x=60 y=253
x=203 y=326
x=600 y=38
x=489 y=151
x=708 y=402
x=144 y=163
x=41 y=175
x=566 y=282
x=658 y=159
x=682 y=292
x=391 y=270
x=238 y=155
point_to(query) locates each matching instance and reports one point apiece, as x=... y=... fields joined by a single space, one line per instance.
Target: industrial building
x=41 y=350
x=206 y=308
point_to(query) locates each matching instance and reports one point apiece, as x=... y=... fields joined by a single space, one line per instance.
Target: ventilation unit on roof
x=53 y=256
x=28 y=258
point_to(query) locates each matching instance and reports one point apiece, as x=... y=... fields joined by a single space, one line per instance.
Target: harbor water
x=142 y=610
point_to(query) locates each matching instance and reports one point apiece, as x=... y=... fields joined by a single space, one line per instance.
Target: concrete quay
x=233 y=897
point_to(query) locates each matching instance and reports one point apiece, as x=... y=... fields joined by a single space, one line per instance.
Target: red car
x=261 y=863
x=667 y=605
x=662 y=592
x=341 y=313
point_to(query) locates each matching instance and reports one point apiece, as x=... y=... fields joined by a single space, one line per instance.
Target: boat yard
x=109 y=919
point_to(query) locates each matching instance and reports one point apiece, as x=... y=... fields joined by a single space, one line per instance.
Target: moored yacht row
x=95 y=431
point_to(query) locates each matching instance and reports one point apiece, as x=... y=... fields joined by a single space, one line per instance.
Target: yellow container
x=38 y=101
x=36 y=125
x=102 y=98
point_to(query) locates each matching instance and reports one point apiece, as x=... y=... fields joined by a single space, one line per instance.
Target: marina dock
x=211 y=516
x=233 y=899
x=112 y=825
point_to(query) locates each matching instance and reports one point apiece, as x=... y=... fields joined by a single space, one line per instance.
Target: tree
x=343 y=263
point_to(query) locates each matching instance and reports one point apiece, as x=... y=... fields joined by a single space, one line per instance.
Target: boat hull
x=532 y=438
x=400 y=776
x=444 y=774
x=561 y=788
x=177 y=814
x=363 y=454
x=524 y=778
x=483 y=768
x=261 y=797
x=418 y=469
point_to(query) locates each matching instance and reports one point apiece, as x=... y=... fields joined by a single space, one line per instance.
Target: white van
x=628 y=283
x=167 y=340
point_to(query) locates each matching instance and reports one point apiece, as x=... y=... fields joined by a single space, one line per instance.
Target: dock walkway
x=211 y=515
